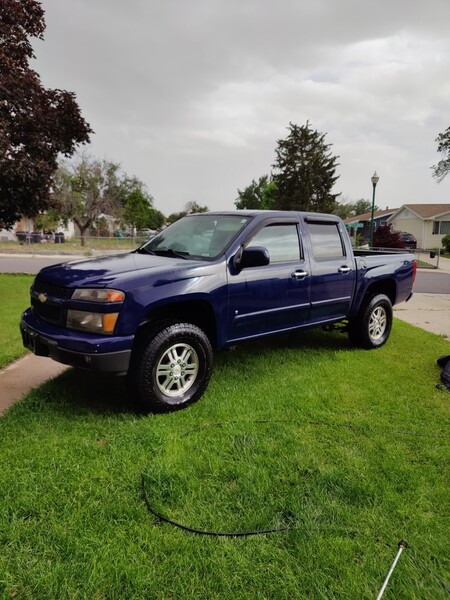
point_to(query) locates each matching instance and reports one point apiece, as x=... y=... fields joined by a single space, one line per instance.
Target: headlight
x=98 y=295
x=93 y=322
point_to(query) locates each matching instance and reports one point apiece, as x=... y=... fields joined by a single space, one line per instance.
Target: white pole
x=401 y=546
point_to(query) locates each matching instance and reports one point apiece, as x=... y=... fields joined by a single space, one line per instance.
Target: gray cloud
x=192 y=96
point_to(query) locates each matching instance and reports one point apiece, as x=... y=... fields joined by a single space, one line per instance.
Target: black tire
x=372 y=325
x=171 y=367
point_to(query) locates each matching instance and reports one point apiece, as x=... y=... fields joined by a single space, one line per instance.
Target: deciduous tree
x=138 y=211
x=194 y=207
x=189 y=207
x=348 y=209
x=386 y=237
x=86 y=189
x=259 y=195
x=442 y=168
x=36 y=124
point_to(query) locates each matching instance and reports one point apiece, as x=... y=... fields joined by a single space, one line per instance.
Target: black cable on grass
x=164 y=519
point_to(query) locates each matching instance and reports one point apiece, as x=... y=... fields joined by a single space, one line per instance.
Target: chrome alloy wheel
x=377 y=323
x=177 y=370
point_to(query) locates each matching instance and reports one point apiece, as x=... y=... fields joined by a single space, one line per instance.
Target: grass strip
x=15 y=293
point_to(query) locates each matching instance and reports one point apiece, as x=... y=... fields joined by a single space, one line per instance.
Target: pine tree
x=305 y=171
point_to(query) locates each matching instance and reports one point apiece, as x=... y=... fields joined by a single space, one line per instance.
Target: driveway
x=429 y=308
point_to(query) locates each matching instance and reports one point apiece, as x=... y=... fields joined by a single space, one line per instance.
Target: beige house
x=427 y=222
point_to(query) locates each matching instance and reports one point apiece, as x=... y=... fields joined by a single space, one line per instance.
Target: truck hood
x=106 y=270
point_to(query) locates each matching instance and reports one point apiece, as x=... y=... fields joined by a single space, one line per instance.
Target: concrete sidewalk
x=428 y=311
x=29 y=372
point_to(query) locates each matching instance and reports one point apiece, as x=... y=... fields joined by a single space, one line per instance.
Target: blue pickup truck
x=210 y=281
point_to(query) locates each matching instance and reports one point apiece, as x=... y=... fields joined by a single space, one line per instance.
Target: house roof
x=368 y=215
x=426 y=211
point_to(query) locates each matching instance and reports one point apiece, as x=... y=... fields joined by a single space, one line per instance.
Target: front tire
x=171 y=368
x=372 y=325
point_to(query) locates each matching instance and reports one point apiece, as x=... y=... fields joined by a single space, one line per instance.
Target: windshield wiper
x=143 y=250
x=171 y=252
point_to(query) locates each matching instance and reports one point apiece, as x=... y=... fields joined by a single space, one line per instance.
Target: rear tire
x=372 y=325
x=170 y=368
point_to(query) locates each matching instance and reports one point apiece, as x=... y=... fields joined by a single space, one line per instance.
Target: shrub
x=386 y=237
x=446 y=242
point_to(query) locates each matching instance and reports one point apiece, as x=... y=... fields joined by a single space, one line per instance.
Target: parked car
x=211 y=281
x=146 y=232
x=408 y=239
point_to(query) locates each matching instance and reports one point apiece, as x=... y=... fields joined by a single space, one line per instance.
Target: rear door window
x=326 y=241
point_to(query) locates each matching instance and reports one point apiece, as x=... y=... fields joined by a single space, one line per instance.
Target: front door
x=274 y=297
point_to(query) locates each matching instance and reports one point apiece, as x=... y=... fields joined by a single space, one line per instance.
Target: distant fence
x=428 y=258
x=90 y=242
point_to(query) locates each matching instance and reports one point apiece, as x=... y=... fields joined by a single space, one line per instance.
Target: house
x=429 y=223
x=360 y=224
x=26 y=226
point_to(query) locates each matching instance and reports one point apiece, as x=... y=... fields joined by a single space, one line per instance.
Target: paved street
x=23 y=263
x=432 y=282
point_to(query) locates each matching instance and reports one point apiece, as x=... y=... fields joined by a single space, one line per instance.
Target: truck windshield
x=202 y=236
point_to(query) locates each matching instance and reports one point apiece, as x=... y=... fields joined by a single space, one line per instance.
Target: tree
x=259 y=195
x=189 y=207
x=176 y=216
x=305 y=171
x=48 y=221
x=36 y=124
x=138 y=211
x=442 y=169
x=362 y=206
x=194 y=207
x=85 y=190
x=385 y=237
x=446 y=242
x=352 y=209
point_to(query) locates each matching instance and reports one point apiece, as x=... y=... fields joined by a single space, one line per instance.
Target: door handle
x=344 y=269
x=300 y=274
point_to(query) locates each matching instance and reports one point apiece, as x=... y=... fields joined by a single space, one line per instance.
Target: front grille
x=49 y=312
x=52 y=309
x=51 y=290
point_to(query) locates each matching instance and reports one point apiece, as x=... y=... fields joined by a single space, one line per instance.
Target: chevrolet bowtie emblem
x=42 y=298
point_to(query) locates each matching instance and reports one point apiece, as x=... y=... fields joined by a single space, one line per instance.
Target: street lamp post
x=374 y=179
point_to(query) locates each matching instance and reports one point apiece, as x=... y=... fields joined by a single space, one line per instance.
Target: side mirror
x=258 y=256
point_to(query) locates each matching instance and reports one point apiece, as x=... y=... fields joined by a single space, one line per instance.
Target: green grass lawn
x=15 y=294
x=347 y=449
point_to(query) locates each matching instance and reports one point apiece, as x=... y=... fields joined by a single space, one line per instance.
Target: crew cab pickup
x=210 y=281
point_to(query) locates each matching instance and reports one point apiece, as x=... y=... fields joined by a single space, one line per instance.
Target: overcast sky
x=191 y=96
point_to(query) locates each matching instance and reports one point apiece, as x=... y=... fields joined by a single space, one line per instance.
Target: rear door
x=333 y=273
x=274 y=297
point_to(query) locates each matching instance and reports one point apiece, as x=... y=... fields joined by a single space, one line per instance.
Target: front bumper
x=86 y=356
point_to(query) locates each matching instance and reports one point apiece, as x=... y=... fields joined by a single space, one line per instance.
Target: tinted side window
x=280 y=240
x=326 y=240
